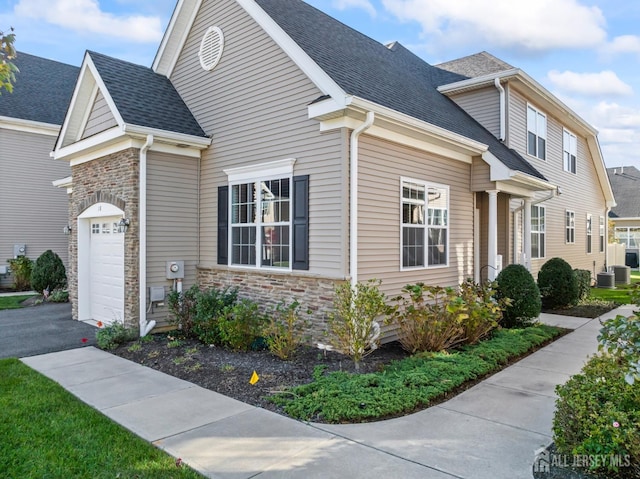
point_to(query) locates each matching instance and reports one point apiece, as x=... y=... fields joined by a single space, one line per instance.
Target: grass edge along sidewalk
x=48 y=432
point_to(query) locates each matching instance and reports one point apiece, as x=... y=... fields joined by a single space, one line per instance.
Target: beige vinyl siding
x=172 y=221
x=481 y=175
x=484 y=106
x=254 y=104
x=100 y=119
x=581 y=192
x=382 y=164
x=32 y=210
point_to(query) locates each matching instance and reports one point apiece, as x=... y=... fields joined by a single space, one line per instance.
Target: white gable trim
x=87 y=112
x=105 y=92
x=175 y=36
x=29 y=126
x=182 y=21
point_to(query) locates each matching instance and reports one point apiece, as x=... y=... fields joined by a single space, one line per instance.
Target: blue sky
x=585 y=52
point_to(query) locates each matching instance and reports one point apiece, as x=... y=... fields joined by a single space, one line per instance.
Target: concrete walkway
x=489 y=431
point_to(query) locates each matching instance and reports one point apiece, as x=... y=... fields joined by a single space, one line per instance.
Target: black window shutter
x=223 y=225
x=301 y=222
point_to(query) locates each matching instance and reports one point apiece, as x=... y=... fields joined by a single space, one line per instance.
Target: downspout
x=353 y=197
x=145 y=326
x=606 y=238
x=502 y=109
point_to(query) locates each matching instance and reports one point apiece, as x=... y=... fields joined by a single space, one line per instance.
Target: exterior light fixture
x=123 y=225
x=67 y=230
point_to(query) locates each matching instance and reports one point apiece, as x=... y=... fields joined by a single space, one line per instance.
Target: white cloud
x=86 y=16
x=363 y=4
x=622 y=44
x=534 y=26
x=590 y=84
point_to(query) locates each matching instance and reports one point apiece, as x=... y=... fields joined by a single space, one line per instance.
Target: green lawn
x=621 y=294
x=12 y=302
x=45 y=432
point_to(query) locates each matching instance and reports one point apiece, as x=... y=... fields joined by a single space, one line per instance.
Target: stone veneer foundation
x=270 y=288
x=111 y=179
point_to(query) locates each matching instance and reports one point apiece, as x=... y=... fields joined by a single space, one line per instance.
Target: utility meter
x=175 y=269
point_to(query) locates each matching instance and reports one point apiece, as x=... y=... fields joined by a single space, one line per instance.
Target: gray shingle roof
x=476 y=65
x=390 y=76
x=625 y=183
x=42 y=90
x=145 y=98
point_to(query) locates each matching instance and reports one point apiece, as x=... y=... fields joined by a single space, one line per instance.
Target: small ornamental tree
x=558 y=284
x=48 y=273
x=516 y=283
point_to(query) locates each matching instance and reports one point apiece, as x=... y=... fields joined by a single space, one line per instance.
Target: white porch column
x=527 y=233
x=493 y=234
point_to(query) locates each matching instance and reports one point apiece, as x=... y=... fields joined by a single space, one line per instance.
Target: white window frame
x=589 y=238
x=569 y=151
x=602 y=236
x=541 y=232
x=274 y=170
x=539 y=130
x=570 y=227
x=425 y=225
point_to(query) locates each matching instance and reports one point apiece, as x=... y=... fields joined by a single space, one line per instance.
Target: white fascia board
x=411 y=122
x=601 y=170
x=501 y=172
x=316 y=74
x=29 y=126
x=175 y=36
x=169 y=136
x=89 y=145
x=331 y=107
x=476 y=82
x=63 y=182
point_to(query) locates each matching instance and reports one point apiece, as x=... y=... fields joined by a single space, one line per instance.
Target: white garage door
x=107 y=270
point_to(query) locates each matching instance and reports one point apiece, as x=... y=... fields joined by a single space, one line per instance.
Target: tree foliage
x=7 y=55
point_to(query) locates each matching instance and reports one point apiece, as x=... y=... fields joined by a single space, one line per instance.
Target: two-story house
x=625 y=182
x=33 y=213
x=272 y=148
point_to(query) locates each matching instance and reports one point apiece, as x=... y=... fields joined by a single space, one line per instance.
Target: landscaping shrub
x=597 y=414
x=48 y=272
x=558 y=284
x=284 y=331
x=110 y=337
x=21 y=269
x=620 y=337
x=183 y=308
x=210 y=306
x=483 y=311
x=241 y=326
x=429 y=318
x=353 y=326
x=583 y=276
x=516 y=283
x=59 y=296
x=405 y=385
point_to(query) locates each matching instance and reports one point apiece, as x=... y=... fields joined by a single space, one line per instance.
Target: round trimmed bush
x=516 y=283
x=558 y=284
x=48 y=272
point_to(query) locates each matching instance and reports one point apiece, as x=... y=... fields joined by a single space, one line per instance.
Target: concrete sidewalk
x=491 y=431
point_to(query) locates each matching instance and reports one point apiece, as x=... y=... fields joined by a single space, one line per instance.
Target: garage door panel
x=107 y=270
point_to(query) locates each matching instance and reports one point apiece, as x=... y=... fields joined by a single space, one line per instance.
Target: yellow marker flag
x=254 y=378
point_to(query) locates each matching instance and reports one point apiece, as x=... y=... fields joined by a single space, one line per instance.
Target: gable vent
x=211 y=48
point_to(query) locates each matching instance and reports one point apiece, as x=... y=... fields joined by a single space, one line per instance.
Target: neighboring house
x=625 y=182
x=272 y=148
x=33 y=213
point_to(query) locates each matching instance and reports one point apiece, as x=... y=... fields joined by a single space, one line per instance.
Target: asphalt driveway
x=41 y=329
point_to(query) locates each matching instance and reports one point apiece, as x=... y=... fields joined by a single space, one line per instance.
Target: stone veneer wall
x=270 y=288
x=111 y=179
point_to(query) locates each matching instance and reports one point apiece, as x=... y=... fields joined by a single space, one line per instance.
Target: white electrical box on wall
x=156 y=293
x=175 y=269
